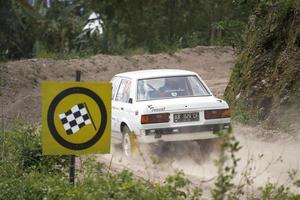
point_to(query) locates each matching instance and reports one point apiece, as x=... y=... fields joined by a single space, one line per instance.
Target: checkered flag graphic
x=75 y=118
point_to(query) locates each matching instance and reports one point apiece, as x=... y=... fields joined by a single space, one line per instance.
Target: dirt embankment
x=265 y=82
x=21 y=90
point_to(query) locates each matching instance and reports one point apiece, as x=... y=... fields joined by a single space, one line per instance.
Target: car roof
x=152 y=73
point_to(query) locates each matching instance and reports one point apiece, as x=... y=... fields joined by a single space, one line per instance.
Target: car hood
x=182 y=104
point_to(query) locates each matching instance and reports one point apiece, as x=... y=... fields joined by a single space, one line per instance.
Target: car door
x=121 y=104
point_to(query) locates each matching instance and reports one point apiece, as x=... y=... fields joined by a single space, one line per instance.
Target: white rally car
x=164 y=105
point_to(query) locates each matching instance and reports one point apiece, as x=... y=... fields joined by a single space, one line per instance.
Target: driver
x=169 y=86
x=173 y=87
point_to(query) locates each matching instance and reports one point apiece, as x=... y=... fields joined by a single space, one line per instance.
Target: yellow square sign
x=76 y=118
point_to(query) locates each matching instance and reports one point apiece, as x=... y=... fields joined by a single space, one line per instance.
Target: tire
x=126 y=142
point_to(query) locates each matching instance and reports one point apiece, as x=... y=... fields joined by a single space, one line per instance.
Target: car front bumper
x=186 y=133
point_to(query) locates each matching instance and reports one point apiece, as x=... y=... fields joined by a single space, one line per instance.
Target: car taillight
x=155 y=118
x=216 y=114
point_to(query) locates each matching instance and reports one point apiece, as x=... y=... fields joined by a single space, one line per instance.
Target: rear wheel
x=126 y=142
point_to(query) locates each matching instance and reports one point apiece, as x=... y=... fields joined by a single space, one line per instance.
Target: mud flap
x=133 y=142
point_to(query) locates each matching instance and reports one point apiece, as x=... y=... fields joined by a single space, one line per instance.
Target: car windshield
x=170 y=87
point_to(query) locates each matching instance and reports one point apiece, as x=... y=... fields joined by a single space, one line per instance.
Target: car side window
x=115 y=85
x=197 y=87
x=123 y=94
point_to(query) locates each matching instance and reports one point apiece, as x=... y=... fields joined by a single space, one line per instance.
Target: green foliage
x=34 y=185
x=99 y=181
x=21 y=152
x=275 y=192
x=244 y=113
x=232 y=33
x=226 y=163
x=26 y=29
x=13 y=33
x=64 y=56
x=164 y=26
x=169 y=24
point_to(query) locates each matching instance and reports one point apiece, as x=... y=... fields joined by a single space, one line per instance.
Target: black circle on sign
x=50 y=118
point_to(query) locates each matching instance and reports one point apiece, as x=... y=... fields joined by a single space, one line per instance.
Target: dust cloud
x=262 y=160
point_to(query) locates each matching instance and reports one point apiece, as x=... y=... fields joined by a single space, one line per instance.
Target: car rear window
x=170 y=87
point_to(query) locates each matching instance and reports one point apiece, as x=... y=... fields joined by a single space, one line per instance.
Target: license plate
x=186 y=117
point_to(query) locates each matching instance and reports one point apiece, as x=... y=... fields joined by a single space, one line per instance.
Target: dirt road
x=267 y=157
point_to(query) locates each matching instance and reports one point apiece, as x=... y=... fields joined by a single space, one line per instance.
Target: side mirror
x=130 y=100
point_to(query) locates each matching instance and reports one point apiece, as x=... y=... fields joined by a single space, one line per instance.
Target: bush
x=275 y=192
x=22 y=152
x=34 y=185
